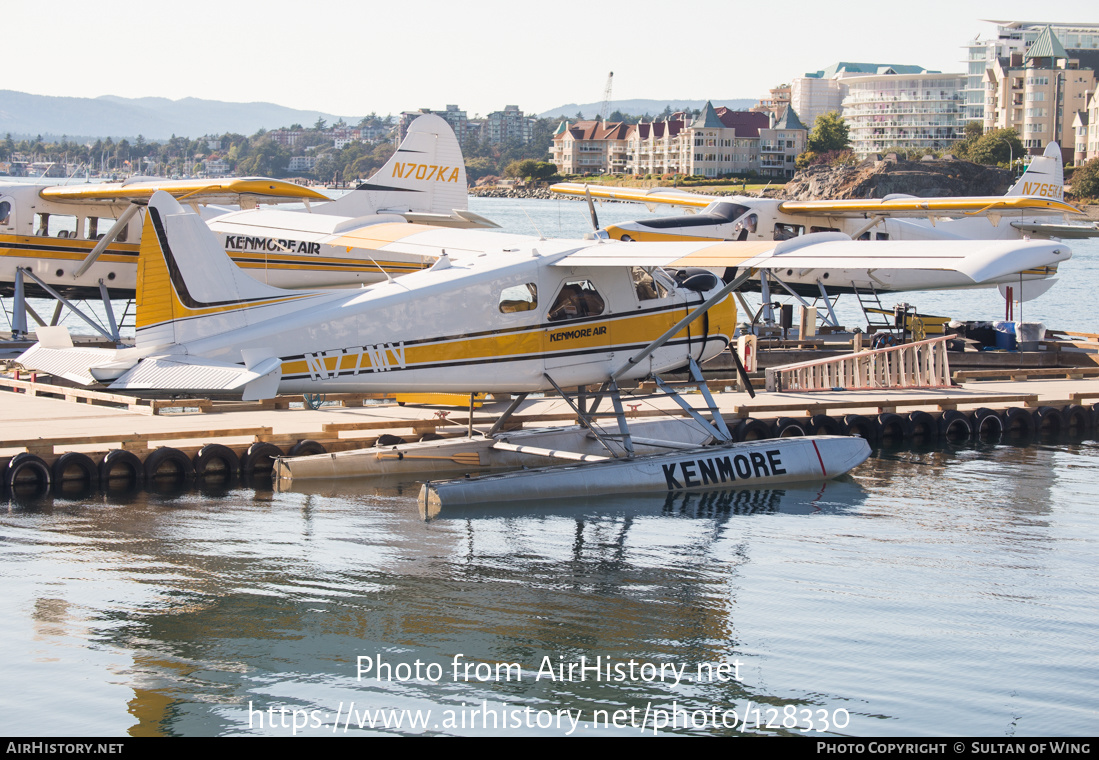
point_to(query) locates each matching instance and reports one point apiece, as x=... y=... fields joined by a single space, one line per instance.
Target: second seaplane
x=496 y=313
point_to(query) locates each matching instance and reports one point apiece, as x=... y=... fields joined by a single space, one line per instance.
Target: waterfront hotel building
x=718 y=142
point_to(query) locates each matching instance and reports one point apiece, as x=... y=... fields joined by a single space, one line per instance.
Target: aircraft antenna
x=532 y=224
x=606 y=98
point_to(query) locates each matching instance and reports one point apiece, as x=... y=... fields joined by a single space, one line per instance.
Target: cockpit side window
x=5 y=213
x=519 y=298
x=578 y=298
x=788 y=231
x=646 y=286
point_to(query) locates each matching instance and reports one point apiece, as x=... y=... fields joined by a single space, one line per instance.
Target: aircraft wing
x=979 y=260
x=922 y=207
x=228 y=190
x=662 y=195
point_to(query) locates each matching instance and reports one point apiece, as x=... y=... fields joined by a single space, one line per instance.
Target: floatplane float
x=81 y=241
x=499 y=313
x=1034 y=207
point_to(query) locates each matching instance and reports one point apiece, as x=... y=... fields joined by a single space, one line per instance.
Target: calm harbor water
x=932 y=592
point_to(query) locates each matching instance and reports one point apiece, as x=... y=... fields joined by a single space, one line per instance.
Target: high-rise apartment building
x=1039 y=93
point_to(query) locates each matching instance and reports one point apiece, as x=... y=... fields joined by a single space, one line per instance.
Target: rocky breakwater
x=512 y=192
x=877 y=179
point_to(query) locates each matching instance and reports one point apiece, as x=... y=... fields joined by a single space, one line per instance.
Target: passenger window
x=96 y=227
x=5 y=212
x=788 y=231
x=814 y=229
x=578 y=298
x=56 y=225
x=647 y=288
x=519 y=298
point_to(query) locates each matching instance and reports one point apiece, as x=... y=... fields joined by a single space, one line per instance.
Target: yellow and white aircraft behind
x=496 y=312
x=82 y=240
x=1022 y=213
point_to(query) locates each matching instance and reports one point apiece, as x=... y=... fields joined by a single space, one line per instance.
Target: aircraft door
x=575 y=334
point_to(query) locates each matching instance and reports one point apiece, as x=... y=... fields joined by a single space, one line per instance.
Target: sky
x=353 y=58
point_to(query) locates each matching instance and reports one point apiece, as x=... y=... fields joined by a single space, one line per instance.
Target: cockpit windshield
x=725 y=210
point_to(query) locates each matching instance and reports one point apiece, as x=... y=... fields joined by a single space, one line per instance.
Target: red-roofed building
x=590 y=147
x=655 y=147
x=715 y=143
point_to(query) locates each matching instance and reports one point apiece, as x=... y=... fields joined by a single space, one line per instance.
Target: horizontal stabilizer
x=191 y=374
x=69 y=363
x=457 y=219
x=1061 y=231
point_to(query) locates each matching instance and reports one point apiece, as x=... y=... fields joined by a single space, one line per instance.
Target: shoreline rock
x=870 y=179
x=513 y=192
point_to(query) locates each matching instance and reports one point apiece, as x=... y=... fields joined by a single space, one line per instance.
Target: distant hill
x=644 y=106
x=25 y=115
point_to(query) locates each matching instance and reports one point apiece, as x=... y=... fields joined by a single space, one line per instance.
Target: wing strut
x=119 y=225
x=875 y=220
x=735 y=283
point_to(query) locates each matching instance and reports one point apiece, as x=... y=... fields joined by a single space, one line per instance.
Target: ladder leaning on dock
x=913 y=365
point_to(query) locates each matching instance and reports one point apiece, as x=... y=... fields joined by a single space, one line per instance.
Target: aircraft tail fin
x=187 y=287
x=427 y=175
x=1044 y=177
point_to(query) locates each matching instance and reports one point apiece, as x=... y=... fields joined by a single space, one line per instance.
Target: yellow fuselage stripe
x=610 y=334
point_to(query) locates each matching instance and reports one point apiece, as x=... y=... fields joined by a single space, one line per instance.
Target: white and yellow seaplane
x=496 y=312
x=1025 y=212
x=81 y=241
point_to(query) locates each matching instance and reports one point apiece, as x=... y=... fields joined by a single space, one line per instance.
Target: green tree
x=829 y=133
x=973 y=132
x=482 y=166
x=1085 y=180
x=1000 y=146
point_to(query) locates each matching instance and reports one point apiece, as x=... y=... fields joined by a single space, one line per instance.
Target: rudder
x=187 y=287
x=1044 y=177
x=427 y=174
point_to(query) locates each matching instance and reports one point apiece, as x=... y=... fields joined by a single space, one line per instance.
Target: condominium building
x=776 y=103
x=590 y=147
x=821 y=92
x=904 y=110
x=453 y=115
x=1013 y=37
x=1039 y=93
x=780 y=144
x=509 y=124
x=654 y=147
x=720 y=141
x=715 y=143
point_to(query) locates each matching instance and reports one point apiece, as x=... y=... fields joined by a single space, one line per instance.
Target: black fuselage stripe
x=497 y=360
x=62 y=249
x=536 y=328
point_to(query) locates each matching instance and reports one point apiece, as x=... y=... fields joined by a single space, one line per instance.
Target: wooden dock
x=46 y=424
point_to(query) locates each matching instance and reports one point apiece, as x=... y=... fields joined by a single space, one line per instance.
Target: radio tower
x=606 y=98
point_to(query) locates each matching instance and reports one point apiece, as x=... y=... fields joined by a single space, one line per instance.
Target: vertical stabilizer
x=187 y=287
x=427 y=174
x=1044 y=177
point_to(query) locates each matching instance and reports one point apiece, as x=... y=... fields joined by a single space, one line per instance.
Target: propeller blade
x=591 y=210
